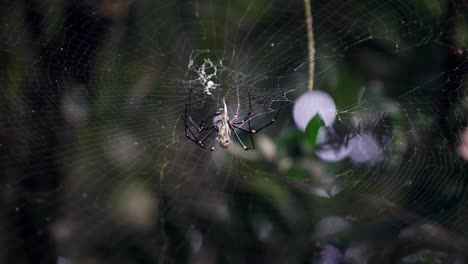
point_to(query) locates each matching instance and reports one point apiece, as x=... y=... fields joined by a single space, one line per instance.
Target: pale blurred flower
x=364 y=148
x=312 y=103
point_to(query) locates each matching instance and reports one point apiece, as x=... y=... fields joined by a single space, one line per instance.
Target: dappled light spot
x=122 y=148
x=135 y=205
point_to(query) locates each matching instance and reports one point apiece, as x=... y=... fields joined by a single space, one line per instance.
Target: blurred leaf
x=298 y=173
x=273 y=193
x=290 y=143
x=312 y=130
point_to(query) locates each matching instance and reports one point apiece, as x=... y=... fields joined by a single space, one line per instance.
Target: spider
x=223 y=127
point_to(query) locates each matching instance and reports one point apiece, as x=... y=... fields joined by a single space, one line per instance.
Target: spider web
x=110 y=82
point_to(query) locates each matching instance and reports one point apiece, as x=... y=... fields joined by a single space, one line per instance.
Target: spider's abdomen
x=224 y=132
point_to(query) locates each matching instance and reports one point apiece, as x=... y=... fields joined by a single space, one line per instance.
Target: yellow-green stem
x=311 y=45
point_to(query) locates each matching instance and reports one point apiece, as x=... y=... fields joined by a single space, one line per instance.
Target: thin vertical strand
x=311 y=43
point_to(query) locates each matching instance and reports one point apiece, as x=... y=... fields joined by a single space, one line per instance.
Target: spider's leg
x=188 y=130
x=192 y=137
x=196 y=141
x=271 y=122
x=247 y=117
x=207 y=136
x=241 y=128
x=250 y=128
x=189 y=117
x=250 y=131
x=236 y=115
x=200 y=127
x=208 y=127
x=239 y=140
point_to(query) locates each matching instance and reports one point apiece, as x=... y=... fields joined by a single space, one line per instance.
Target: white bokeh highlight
x=312 y=103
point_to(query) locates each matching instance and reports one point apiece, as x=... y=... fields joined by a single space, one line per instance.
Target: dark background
x=95 y=166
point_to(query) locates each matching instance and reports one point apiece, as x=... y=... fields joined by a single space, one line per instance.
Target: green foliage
x=312 y=131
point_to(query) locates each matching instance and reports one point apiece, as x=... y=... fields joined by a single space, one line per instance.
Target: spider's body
x=223 y=127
